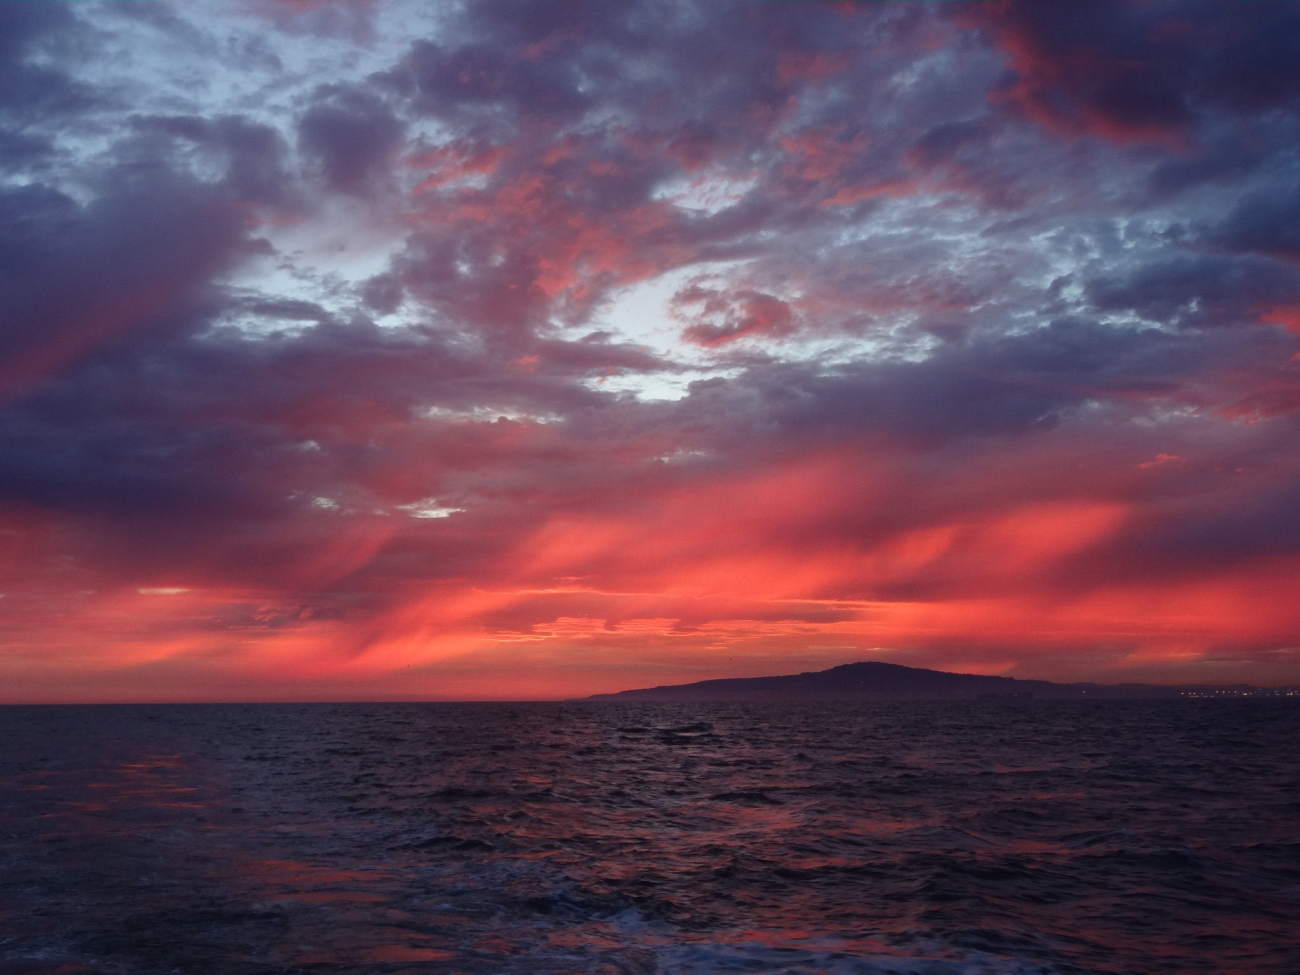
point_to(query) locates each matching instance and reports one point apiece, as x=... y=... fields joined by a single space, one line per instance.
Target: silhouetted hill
x=875 y=681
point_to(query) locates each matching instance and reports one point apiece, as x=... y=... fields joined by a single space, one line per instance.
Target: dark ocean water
x=1128 y=837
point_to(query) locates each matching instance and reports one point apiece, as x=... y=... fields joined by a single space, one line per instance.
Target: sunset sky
x=390 y=350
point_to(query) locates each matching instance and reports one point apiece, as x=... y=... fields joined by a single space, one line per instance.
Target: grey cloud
x=1264 y=223
x=73 y=277
x=352 y=133
x=1198 y=290
x=253 y=155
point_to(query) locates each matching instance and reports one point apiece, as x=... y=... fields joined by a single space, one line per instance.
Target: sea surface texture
x=1008 y=837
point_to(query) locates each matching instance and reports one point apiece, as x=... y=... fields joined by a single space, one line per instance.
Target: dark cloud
x=252 y=155
x=18 y=150
x=1132 y=71
x=1197 y=290
x=1223 y=160
x=1264 y=223
x=942 y=142
x=985 y=387
x=1198 y=535
x=478 y=78
x=73 y=276
x=352 y=133
x=382 y=293
x=30 y=90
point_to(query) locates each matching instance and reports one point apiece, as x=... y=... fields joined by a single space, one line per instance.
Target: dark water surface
x=1128 y=837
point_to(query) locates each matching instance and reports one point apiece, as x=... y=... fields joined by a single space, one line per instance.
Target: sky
x=394 y=350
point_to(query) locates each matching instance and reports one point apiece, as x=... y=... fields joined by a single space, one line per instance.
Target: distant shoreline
x=878 y=681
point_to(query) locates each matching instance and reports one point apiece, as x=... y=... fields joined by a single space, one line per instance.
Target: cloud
x=1131 y=72
x=1263 y=223
x=1198 y=290
x=253 y=155
x=77 y=276
x=352 y=134
x=709 y=332
x=743 y=313
x=30 y=90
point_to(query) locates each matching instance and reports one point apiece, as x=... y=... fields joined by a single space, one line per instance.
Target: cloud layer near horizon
x=534 y=349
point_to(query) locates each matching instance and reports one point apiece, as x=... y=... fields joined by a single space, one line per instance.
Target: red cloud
x=724 y=318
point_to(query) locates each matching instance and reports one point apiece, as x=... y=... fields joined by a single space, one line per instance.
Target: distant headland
x=877 y=681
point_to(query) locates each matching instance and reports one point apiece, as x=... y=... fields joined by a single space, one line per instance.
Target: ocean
x=601 y=837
